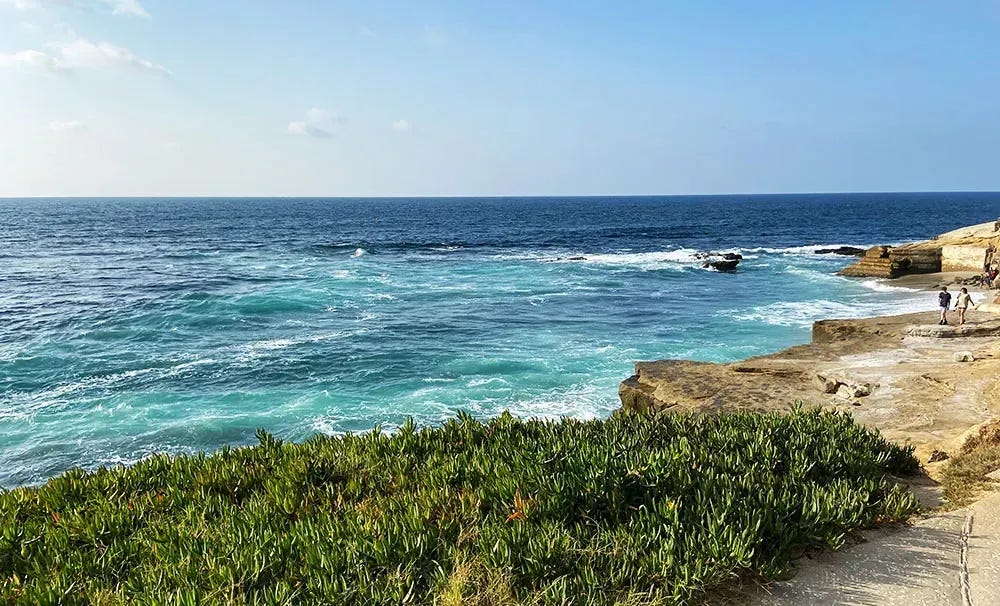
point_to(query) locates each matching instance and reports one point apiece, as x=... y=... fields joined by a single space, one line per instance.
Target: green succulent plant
x=634 y=509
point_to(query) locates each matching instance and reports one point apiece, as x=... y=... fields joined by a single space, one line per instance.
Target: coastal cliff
x=966 y=249
x=913 y=380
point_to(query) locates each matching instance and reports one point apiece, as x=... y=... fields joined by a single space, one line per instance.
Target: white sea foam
x=883 y=286
x=804 y=313
x=248 y=352
x=809 y=249
x=479 y=382
x=358 y=252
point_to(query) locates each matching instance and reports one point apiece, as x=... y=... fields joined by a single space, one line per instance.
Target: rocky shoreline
x=915 y=381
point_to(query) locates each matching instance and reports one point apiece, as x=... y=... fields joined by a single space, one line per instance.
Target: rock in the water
x=964 y=356
x=723 y=265
x=826 y=384
x=732 y=257
x=849 y=251
x=938 y=455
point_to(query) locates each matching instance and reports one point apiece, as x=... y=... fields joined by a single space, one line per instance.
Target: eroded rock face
x=904 y=385
x=926 y=256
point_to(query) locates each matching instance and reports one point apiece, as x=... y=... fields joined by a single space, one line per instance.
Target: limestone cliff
x=966 y=249
x=895 y=373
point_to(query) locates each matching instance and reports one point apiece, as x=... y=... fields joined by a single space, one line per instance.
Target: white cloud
x=401 y=125
x=66 y=126
x=80 y=54
x=22 y=5
x=320 y=123
x=126 y=7
x=30 y=60
x=83 y=53
x=131 y=8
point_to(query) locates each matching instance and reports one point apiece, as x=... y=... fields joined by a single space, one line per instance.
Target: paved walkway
x=945 y=560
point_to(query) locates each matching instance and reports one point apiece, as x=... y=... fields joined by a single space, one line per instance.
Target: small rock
x=937 y=455
x=851 y=390
x=994 y=475
x=964 y=356
x=855 y=402
x=845 y=391
x=825 y=384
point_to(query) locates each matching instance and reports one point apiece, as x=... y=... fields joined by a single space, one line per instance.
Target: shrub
x=633 y=509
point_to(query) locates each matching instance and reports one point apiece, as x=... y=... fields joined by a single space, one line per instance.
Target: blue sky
x=184 y=97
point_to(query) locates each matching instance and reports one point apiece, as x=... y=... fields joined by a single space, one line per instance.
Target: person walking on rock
x=944 y=302
x=962 y=303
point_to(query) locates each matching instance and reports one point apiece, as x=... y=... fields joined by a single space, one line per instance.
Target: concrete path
x=947 y=560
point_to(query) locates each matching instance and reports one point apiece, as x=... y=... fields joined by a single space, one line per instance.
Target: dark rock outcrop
x=847 y=251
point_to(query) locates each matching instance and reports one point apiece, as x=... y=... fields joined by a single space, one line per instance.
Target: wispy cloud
x=131 y=8
x=319 y=123
x=80 y=54
x=127 y=7
x=83 y=53
x=401 y=125
x=66 y=126
x=30 y=60
x=22 y=5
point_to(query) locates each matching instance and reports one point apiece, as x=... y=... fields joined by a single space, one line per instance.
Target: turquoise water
x=138 y=326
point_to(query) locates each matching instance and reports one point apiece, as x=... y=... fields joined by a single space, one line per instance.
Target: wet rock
x=722 y=265
x=847 y=251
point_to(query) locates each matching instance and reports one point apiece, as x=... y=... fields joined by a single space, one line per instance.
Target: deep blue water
x=141 y=325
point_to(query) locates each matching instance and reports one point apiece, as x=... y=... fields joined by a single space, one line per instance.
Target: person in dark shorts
x=962 y=303
x=944 y=301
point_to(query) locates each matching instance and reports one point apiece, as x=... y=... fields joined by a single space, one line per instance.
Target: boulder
x=722 y=265
x=964 y=356
x=855 y=390
x=825 y=384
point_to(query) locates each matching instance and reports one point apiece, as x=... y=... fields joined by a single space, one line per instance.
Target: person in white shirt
x=962 y=302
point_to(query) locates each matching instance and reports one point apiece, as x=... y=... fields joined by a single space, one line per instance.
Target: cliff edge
x=913 y=380
x=966 y=249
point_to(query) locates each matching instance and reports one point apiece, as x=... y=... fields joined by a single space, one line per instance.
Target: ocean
x=135 y=326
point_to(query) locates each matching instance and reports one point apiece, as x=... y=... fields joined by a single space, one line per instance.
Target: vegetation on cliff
x=964 y=477
x=633 y=509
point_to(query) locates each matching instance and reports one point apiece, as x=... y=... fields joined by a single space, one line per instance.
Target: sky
x=410 y=98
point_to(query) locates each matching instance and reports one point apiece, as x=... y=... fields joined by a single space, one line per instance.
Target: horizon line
x=481 y=196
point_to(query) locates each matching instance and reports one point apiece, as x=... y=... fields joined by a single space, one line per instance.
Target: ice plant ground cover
x=633 y=509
